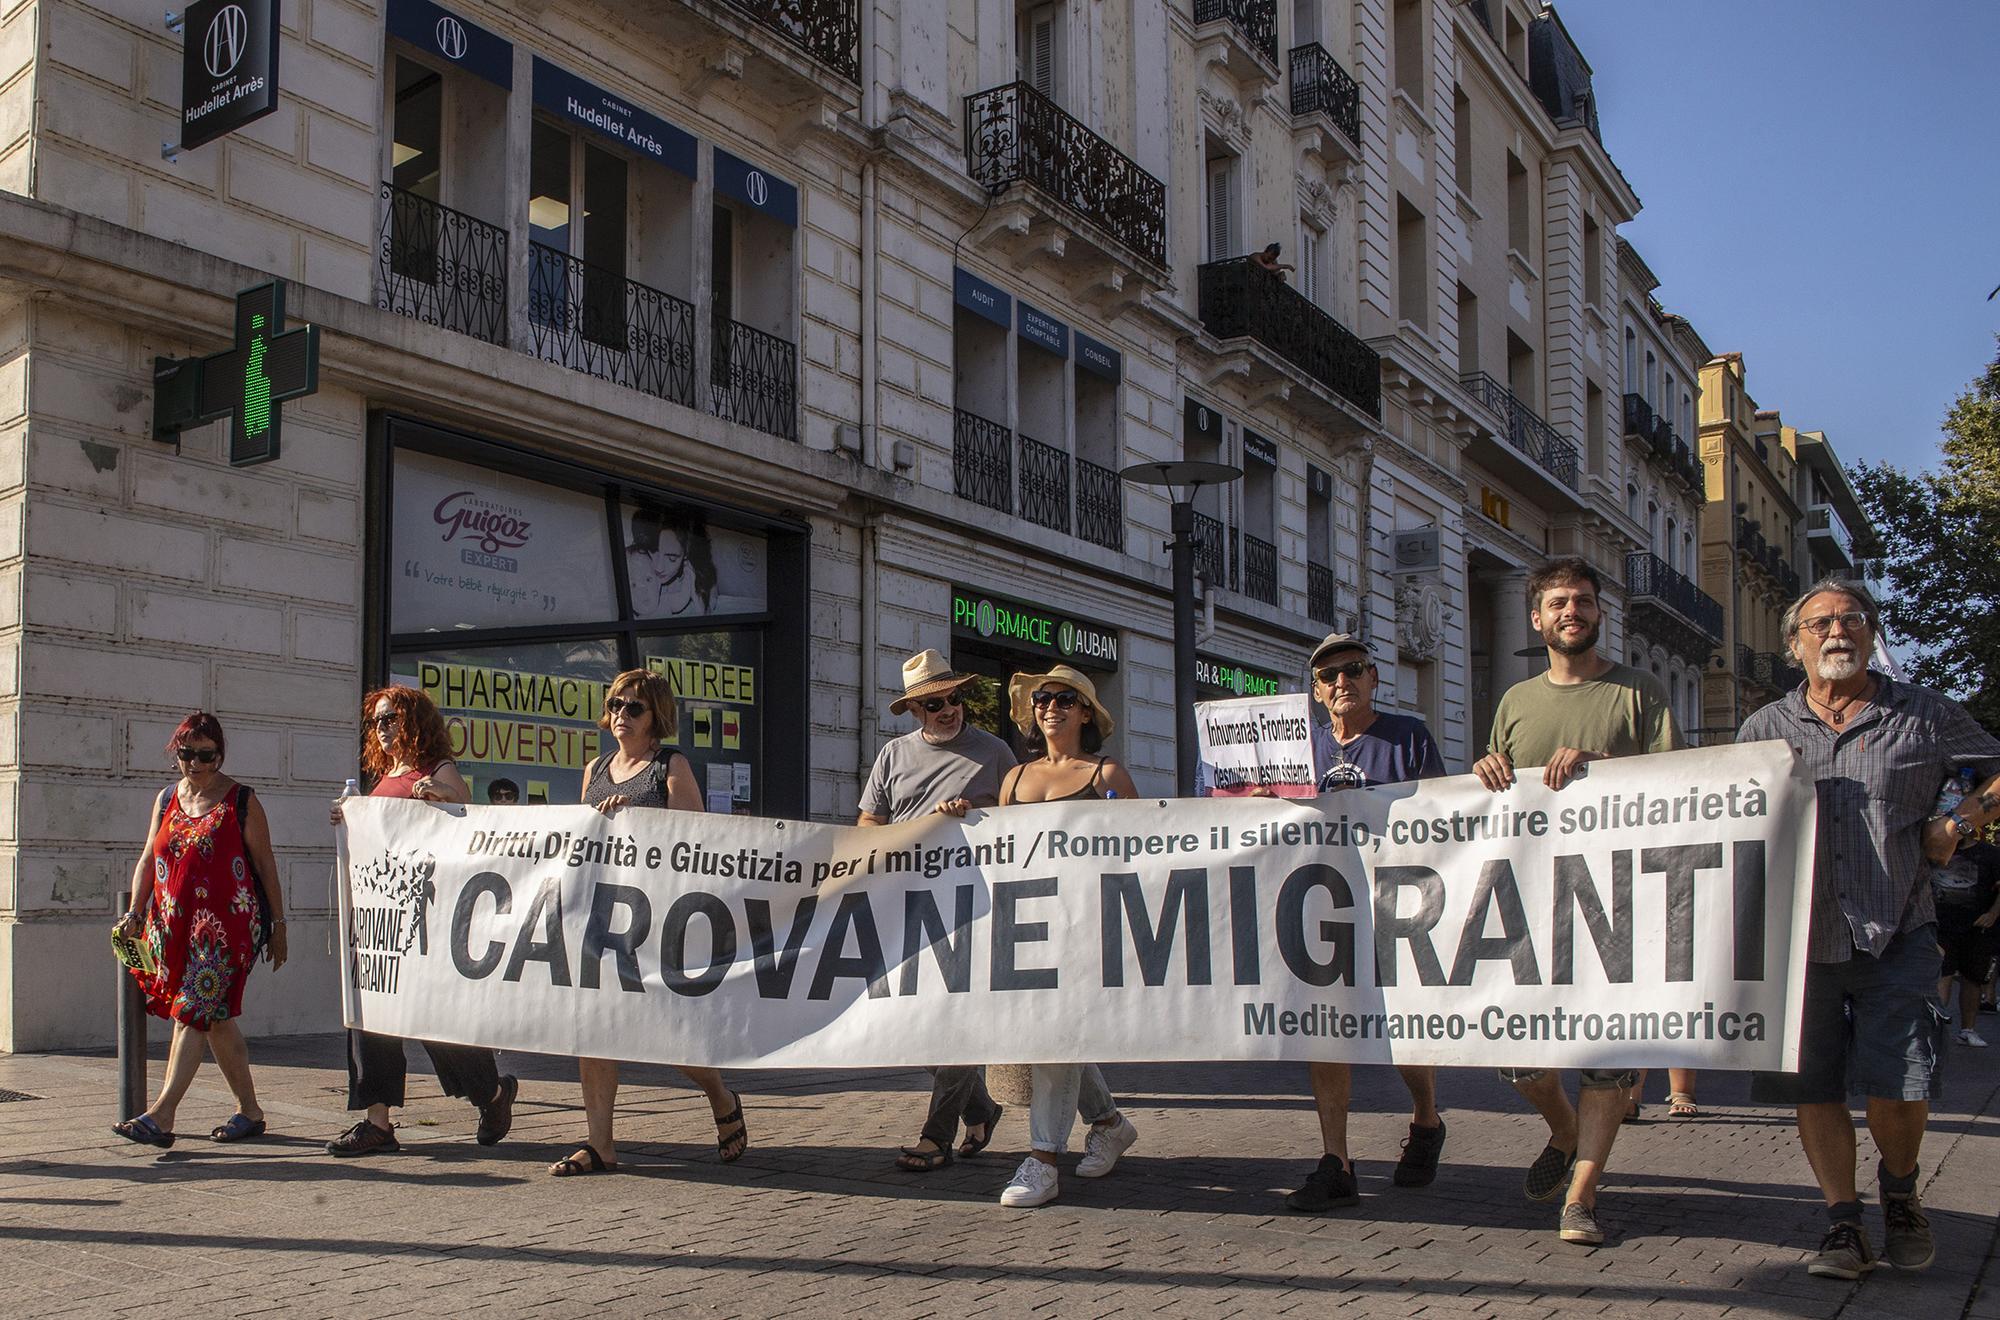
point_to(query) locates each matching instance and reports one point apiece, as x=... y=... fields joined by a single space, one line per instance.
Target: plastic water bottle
x=1955 y=790
x=350 y=788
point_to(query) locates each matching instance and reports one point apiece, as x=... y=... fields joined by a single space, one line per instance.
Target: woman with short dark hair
x=199 y=915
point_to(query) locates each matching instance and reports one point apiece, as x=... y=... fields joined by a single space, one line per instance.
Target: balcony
x=1746 y=664
x=1260 y=569
x=441 y=266
x=1211 y=551
x=1044 y=485
x=1320 y=595
x=1825 y=532
x=1749 y=541
x=1100 y=506
x=1689 y=466
x=1669 y=607
x=1241 y=300
x=982 y=462
x=827 y=30
x=1014 y=134
x=1249 y=25
x=598 y=322
x=1640 y=420
x=754 y=378
x=1524 y=430
x=1320 y=87
x=1778 y=672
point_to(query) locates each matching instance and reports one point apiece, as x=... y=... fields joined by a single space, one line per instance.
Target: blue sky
x=1821 y=181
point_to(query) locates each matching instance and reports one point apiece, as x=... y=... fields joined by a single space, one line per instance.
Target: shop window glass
x=476 y=548
x=717 y=676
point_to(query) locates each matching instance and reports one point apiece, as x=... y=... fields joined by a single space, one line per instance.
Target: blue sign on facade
x=437 y=31
x=1042 y=329
x=562 y=92
x=738 y=178
x=976 y=295
x=1102 y=359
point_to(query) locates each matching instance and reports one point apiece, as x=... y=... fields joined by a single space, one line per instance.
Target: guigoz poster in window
x=678 y=567
x=476 y=548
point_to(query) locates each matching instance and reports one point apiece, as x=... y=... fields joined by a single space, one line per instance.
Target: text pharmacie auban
x=1403 y=906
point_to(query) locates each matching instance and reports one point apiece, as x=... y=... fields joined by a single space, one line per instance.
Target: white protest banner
x=1249 y=743
x=1652 y=913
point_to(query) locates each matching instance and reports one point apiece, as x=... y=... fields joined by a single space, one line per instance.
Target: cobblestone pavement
x=1709 y=1216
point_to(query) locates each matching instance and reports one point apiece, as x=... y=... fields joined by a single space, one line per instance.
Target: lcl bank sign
x=229 y=67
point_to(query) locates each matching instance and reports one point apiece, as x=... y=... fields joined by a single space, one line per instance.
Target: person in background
x=1967 y=892
x=1362 y=747
x=1065 y=726
x=642 y=772
x=1267 y=258
x=1880 y=750
x=503 y=793
x=406 y=752
x=949 y=765
x=1584 y=708
x=197 y=891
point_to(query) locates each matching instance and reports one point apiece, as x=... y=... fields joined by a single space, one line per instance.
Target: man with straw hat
x=946 y=764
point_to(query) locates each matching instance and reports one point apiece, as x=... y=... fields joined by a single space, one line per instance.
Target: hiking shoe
x=1579 y=1225
x=1967 y=1036
x=1103 y=1145
x=496 y=1116
x=1035 y=1183
x=1844 y=1253
x=1906 y=1238
x=364 y=1138
x=1329 y=1186
x=1549 y=1174
x=1421 y=1150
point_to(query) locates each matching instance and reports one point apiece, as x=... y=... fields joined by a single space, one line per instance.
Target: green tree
x=1940 y=534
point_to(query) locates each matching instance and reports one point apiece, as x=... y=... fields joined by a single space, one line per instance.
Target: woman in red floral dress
x=196 y=893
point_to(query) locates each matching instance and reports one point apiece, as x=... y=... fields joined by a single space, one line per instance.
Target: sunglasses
x=618 y=706
x=1061 y=700
x=385 y=721
x=205 y=755
x=932 y=705
x=1354 y=669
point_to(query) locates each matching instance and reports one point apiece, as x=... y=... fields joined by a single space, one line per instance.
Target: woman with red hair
x=406 y=753
x=202 y=912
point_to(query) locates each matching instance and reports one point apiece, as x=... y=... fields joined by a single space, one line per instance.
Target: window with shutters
x=1040 y=33
x=1305 y=21
x=1219 y=215
x=1311 y=240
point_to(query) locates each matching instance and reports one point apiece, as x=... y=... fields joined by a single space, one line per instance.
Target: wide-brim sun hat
x=1020 y=697
x=928 y=674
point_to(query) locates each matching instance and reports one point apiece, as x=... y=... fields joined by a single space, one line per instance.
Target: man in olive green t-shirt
x=1585 y=708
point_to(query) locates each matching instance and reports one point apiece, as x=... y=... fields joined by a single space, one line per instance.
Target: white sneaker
x=1104 y=1145
x=1035 y=1183
x=1966 y=1036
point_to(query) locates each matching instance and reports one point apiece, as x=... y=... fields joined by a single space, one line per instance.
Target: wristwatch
x=1966 y=829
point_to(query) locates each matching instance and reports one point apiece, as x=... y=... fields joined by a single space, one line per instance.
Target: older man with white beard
x=1879 y=751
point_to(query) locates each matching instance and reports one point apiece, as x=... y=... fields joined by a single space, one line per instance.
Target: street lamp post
x=1181 y=480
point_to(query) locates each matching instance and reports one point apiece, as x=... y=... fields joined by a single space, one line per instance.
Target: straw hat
x=1021 y=705
x=927 y=674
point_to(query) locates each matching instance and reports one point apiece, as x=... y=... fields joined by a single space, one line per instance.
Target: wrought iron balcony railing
x=1044 y=484
x=1746 y=663
x=1320 y=598
x=1257 y=20
x=827 y=30
x=441 y=266
x=600 y=323
x=1525 y=430
x=1240 y=298
x=754 y=378
x=1014 y=134
x=1211 y=550
x=1648 y=577
x=1260 y=569
x=1749 y=540
x=982 y=462
x=1639 y=418
x=1100 y=505
x=1321 y=87
x=1777 y=672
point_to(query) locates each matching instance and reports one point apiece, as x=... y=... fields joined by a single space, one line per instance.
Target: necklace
x=1837 y=715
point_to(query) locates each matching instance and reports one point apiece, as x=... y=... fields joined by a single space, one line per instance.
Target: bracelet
x=277 y=921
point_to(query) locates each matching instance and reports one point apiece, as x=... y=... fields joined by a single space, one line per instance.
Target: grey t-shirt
x=912 y=775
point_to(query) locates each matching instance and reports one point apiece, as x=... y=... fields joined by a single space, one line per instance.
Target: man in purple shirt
x=1361 y=748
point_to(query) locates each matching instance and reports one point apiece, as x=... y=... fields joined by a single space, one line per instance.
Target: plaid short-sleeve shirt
x=1878 y=783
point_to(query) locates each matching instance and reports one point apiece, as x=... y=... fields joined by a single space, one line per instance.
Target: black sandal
x=569 y=1166
x=741 y=1138
x=970 y=1147
x=915 y=1159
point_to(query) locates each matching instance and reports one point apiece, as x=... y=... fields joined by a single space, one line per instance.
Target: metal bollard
x=131 y=1048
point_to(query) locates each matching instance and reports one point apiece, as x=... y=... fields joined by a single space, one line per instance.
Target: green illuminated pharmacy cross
x=247 y=383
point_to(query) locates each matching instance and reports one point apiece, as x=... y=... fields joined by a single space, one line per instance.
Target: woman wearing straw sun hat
x=1064 y=725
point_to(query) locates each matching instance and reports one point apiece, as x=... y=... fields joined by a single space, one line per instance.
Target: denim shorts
x=1590 y=1078
x=1870 y=1027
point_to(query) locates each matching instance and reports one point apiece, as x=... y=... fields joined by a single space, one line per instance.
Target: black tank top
x=648 y=788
